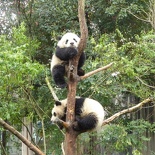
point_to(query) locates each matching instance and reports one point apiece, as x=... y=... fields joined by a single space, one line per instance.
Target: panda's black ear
x=57 y=103
x=59 y=38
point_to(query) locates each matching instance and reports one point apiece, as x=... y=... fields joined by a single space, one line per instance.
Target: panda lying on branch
x=66 y=50
x=89 y=114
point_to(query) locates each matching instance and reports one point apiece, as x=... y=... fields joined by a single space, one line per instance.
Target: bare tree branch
x=110 y=119
x=150 y=15
x=51 y=89
x=95 y=71
x=144 y=20
x=22 y=138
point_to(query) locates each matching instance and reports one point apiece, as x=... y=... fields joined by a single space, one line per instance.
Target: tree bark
x=71 y=135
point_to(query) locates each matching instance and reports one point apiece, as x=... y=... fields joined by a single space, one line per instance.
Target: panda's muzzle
x=55 y=121
x=72 y=44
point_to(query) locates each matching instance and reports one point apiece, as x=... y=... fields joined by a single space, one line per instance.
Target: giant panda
x=66 y=50
x=89 y=114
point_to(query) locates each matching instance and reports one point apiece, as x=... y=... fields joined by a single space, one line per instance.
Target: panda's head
x=59 y=110
x=69 y=40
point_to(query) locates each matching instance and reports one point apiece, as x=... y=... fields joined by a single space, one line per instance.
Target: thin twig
x=27 y=131
x=44 y=135
x=3 y=149
x=144 y=82
x=51 y=89
x=138 y=17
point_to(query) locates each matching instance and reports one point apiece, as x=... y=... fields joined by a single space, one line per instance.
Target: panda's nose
x=52 y=122
x=72 y=43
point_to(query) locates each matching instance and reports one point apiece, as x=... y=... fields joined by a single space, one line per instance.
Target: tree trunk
x=71 y=135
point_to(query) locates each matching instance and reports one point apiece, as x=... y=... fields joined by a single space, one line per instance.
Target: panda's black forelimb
x=66 y=53
x=58 y=73
x=60 y=125
x=82 y=59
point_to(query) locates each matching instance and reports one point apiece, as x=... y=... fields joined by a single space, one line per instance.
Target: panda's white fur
x=56 y=61
x=66 y=50
x=89 y=114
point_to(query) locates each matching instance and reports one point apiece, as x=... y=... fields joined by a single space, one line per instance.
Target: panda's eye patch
x=54 y=114
x=66 y=41
x=74 y=39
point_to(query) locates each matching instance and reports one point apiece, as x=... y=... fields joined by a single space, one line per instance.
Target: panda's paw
x=72 y=52
x=81 y=72
x=76 y=126
x=60 y=126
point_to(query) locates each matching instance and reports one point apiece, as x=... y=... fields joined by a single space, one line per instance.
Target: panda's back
x=91 y=105
x=88 y=106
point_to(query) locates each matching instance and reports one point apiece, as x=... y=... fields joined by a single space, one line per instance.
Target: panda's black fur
x=66 y=50
x=89 y=114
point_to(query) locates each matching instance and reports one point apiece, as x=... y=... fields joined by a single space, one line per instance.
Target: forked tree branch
x=110 y=119
x=22 y=138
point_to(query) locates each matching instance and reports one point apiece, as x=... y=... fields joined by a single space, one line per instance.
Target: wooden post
x=26 y=134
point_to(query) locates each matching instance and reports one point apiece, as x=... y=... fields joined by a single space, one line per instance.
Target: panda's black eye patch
x=74 y=39
x=54 y=114
x=66 y=41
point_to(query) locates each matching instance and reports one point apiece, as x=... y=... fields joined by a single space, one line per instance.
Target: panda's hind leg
x=85 y=123
x=58 y=73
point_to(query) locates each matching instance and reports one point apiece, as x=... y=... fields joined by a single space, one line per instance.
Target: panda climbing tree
x=89 y=114
x=78 y=114
x=67 y=48
x=71 y=133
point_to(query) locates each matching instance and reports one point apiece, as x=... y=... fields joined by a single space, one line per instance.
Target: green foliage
x=17 y=71
x=23 y=88
x=109 y=15
x=133 y=63
x=22 y=85
x=50 y=20
x=120 y=138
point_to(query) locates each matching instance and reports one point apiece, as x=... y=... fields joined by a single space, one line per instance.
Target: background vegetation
x=120 y=31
